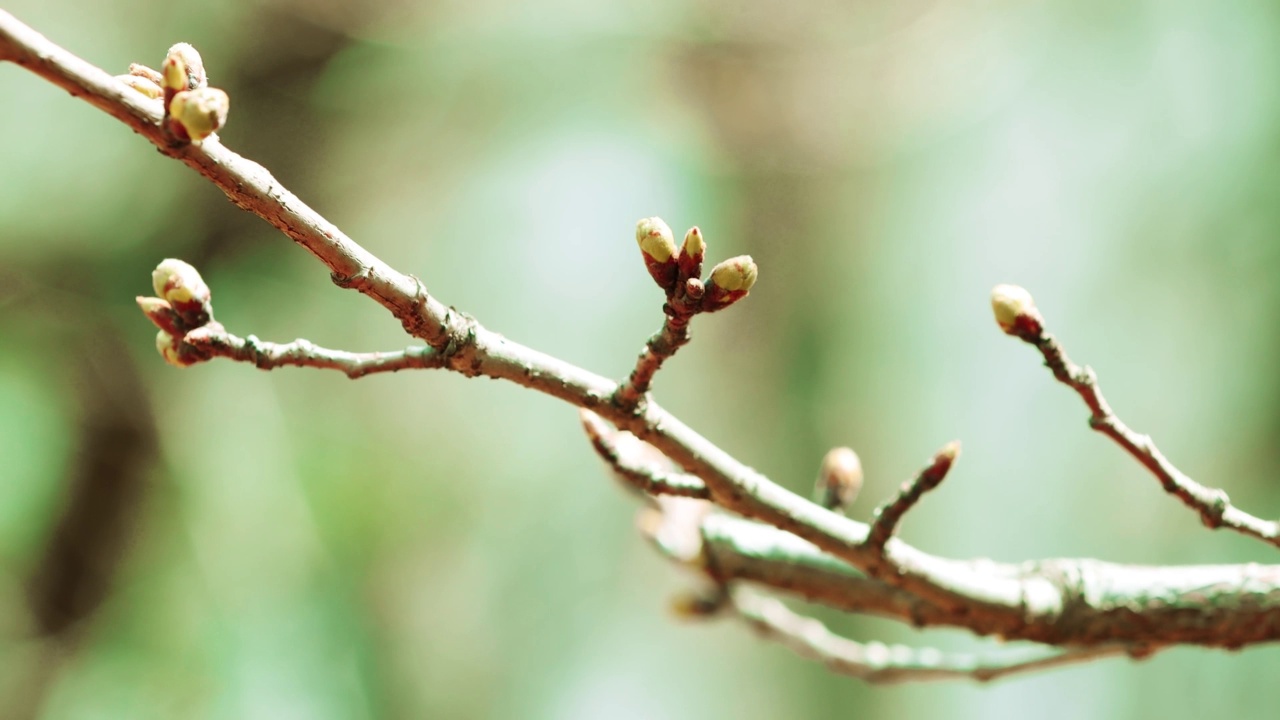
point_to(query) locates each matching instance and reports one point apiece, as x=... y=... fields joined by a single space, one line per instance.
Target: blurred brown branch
x=1081 y=608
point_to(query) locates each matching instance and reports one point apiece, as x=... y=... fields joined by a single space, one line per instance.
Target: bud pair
x=193 y=110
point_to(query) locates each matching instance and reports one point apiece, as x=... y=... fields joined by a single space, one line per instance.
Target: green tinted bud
x=200 y=112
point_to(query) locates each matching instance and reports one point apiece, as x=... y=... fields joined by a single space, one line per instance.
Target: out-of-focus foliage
x=224 y=543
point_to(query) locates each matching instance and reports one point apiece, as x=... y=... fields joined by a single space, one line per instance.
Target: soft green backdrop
x=225 y=543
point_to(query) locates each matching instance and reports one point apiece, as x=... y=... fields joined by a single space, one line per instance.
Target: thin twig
x=304 y=353
x=470 y=349
x=1212 y=504
x=630 y=467
x=880 y=663
x=661 y=346
x=887 y=516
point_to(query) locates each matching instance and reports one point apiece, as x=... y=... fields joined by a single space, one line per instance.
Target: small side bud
x=161 y=314
x=730 y=281
x=691 y=254
x=184 y=68
x=839 y=479
x=182 y=287
x=658 y=246
x=142 y=85
x=175 y=352
x=143 y=71
x=201 y=112
x=693 y=605
x=694 y=288
x=1016 y=312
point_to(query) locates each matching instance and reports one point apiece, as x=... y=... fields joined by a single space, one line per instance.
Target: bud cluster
x=192 y=110
x=185 y=303
x=678 y=271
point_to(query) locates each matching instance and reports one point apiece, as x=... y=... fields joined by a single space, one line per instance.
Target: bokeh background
x=221 y=542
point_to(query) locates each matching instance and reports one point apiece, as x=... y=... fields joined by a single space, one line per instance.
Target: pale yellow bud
x=200 y=112
x=658 y=246
x=730 y=281
x=184 y=69
x=655 y=239
x=1015 y=310
x=735 y=274
x=142 y=85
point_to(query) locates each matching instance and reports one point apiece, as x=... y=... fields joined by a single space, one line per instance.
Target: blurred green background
x=221 y=542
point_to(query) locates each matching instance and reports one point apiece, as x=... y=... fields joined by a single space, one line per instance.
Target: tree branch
x=217 y=342
x=883 y=664
x=1025 y=322
x=1067 y=602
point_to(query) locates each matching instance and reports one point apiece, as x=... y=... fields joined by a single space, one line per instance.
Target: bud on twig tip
x=730 y=281
x=1016 y=311
x=658 y=246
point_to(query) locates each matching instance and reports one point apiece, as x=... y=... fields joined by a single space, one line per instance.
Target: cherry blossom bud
x=658 y=246
x=186 y=292
x=730 y=281
x=142 y=85
x=839 y=479
x=691 y=254
x=183 y=69
x=200 y=112
x=1016 y=312
x=161 y=314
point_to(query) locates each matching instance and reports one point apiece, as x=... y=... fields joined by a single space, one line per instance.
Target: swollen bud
x=730 y=281
x=200 y=112
x=839 y=479
x=183 y=69
x=1016 y=312
x=161 y=314
x=186 y=292
x=175 y=352
x=658 y=246
x=691 y=254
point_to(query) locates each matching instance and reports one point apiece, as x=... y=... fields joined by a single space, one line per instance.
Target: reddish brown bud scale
x=691 y=254
x=658 y=247
x=161 y=314
x=182 y=287
x=730 y=281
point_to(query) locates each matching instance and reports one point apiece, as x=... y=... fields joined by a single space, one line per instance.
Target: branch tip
x=1016 y=312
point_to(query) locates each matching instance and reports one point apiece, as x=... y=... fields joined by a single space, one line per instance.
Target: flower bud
x=658 y=246
x=1016 y=312
x=839 y=479
x=142 y=85
x=145 y=72
x=693 y=605
x=691 y=254
x=175 y=352
x=730 y=281
x=200 y=112
x=186 y=292
x=161 y=314
x=183 y=69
